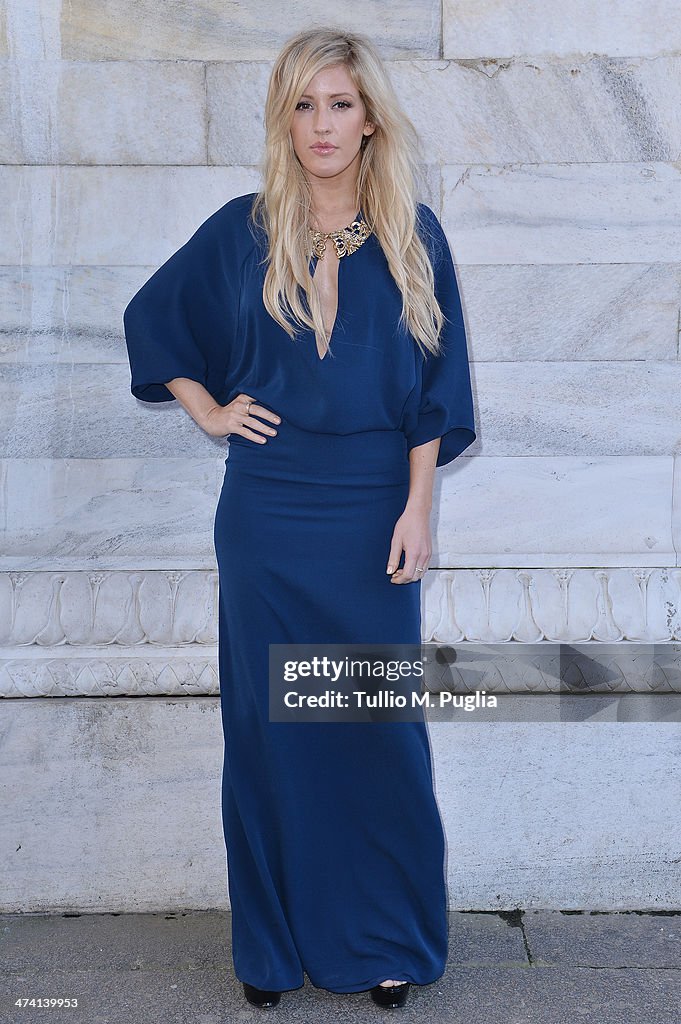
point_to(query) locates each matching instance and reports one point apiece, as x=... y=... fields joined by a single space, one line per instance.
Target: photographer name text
x=390 y=699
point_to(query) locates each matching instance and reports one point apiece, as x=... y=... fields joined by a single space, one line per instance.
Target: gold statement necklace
x=345 y=241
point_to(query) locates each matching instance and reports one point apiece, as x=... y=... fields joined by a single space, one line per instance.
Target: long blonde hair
x=386 y=188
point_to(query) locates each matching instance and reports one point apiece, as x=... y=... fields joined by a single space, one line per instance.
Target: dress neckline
x=314 y=259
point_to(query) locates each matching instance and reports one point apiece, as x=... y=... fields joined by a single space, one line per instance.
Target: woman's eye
x=304 y=103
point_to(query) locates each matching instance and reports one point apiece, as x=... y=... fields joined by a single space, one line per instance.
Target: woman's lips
x=323 y=149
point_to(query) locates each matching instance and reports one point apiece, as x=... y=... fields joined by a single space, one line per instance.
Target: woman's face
x=330 y=112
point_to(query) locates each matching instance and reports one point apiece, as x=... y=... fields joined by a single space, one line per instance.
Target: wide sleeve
x=445 y=409
x=181 y=322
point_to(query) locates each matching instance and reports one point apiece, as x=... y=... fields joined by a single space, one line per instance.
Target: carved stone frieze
x=154 y=632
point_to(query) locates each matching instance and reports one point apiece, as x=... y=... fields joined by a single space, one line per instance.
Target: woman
x=318 y=324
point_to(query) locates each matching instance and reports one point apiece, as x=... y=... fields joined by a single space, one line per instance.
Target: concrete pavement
x=539 y=966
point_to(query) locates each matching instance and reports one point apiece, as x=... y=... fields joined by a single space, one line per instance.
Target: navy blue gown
x=334 y=843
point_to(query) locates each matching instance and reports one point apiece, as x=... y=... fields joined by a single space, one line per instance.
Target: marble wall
x=551 y=152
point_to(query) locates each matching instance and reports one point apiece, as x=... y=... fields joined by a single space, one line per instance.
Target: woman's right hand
x=232 y=418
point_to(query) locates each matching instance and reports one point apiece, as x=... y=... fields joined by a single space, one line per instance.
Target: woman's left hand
x=411 y=535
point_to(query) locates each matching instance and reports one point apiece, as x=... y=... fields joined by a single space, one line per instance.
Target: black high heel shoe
x=391 y=996
x=259 y=996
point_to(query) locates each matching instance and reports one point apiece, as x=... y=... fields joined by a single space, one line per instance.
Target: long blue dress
x=334 y=843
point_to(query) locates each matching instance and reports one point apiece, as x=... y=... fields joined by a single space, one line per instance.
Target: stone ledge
x=508 y=669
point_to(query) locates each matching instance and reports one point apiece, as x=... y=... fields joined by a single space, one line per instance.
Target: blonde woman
x=317 y=324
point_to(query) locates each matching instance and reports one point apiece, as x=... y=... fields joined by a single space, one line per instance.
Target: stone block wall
x=551 y=146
